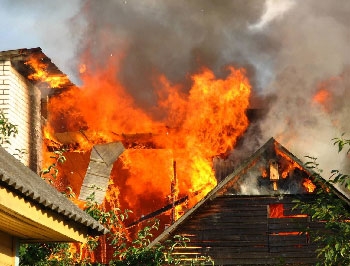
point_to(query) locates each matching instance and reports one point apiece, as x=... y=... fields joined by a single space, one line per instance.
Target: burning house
x=174 y=168
x=249 y=218
x=141 y=164
x=31 y=211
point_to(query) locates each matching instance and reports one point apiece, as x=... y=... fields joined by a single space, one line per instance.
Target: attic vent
x=274 y=176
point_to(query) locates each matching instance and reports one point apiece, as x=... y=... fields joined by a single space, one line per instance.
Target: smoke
x=289 y=50
x=174 y=38
x=313 y=40
x=274 y=9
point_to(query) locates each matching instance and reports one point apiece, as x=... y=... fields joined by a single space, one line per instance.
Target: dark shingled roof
x=22 y=181
x=19 y=58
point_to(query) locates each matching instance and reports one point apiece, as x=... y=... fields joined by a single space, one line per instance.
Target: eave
x=31 y=223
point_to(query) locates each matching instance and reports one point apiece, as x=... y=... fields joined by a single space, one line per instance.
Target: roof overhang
x=30 y=223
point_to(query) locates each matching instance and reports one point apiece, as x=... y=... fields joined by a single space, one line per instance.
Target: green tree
x=328 y=207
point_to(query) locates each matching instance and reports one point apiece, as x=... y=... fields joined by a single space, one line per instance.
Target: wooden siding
x=237 y=230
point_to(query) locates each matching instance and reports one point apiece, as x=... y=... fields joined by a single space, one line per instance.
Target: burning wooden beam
x=166 y=208
x=274 y=175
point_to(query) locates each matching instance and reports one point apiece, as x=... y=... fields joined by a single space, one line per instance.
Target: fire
x=206 y=122
x=277 y=211
x=263 y=171
x=288 y=165
x=322 y=96
x=195 y=127
x=310 y=187
x=327 y=92
x=42 y=74
x=191 y=129
x=82 y=68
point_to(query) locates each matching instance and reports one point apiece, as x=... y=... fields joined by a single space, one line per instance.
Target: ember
x=310 y=187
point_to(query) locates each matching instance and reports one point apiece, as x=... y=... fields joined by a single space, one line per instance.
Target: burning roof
x=37 y=67
x=250 y=179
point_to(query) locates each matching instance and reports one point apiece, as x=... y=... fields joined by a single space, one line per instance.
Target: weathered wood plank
x=252 y=227
x=216 y=235
x=237 y=231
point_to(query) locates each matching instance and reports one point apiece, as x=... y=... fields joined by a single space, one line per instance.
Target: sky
x=45 y=24
x=291 y=49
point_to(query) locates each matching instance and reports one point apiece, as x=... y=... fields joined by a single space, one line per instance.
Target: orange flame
x=41 y=73
x=263 y=172
x=322 y=96
x=193 y=128
x=288 y=165
x=310 y=187
x=277 y=211
x=197 y=126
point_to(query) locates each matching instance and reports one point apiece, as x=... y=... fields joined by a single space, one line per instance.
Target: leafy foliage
x=334 y=239
x=137 y=252
x=7 y=129
x=126 y=252
x=342 y=143
x=38 y=254
x=51 y=172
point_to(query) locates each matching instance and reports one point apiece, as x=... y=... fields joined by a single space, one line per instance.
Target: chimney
x=20 y=102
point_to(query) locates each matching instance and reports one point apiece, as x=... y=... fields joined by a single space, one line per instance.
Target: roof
x=227 y=185
x=20 y=57
x=25 y=183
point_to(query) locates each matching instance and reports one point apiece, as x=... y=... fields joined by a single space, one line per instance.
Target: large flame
x=190 y=130
x=195 y=126
x=41 y=73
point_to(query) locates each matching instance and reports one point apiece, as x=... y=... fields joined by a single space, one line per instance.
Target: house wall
x=20 y=101
x=7 y=249
x=239 y=230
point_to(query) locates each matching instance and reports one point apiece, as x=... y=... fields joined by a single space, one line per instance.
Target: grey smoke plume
x=173 y=38
x=289 y=49
x=313 y=39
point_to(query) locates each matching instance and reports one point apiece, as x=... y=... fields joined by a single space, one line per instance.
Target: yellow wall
x=28 y=222
x=7 y=249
